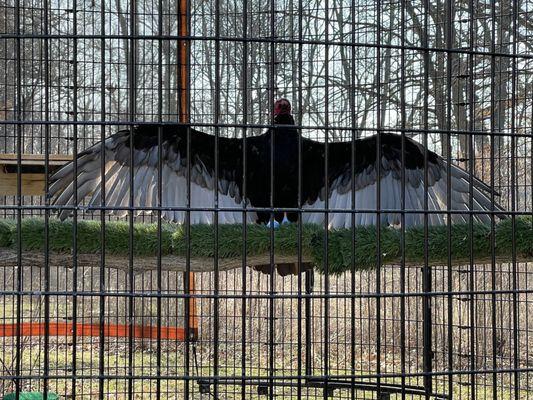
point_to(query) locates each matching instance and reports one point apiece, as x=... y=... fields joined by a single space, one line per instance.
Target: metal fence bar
x=454 y=77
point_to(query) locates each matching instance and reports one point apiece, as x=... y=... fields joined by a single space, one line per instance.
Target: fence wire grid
x=456 y=76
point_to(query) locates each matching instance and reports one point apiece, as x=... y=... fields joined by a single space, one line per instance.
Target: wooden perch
x=284 y=265
x=513 y=240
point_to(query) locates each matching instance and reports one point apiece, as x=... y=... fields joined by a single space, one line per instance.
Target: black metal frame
x=310 y=305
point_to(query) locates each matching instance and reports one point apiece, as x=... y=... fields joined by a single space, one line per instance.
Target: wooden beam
x=32 y=172
x=32 y=184
x=35 y=159
x=9 y=258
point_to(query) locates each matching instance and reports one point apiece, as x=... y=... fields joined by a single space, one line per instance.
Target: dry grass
x=338 y=321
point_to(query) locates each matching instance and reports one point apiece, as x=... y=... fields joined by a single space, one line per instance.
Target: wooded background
x=455 y=69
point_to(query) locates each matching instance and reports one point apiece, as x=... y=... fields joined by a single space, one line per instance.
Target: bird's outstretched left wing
x=140 y=167
x=352 y=186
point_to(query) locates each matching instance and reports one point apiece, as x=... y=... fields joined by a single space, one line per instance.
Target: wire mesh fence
x=114 y=310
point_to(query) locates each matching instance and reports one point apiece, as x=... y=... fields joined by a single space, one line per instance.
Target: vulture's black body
x=350 y=185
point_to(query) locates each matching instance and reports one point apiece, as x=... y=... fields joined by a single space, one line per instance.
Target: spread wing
x=362 y=178
x=174 y=150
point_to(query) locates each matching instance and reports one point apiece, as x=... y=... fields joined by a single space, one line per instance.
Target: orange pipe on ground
x=110 y=330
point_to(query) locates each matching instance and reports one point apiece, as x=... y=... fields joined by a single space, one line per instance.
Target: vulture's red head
x=282 y=107
x=282 y=112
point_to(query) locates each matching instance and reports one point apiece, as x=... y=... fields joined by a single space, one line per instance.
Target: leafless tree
x=258 y=71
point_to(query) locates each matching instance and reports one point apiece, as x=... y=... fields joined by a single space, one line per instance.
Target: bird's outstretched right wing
x=140 y=175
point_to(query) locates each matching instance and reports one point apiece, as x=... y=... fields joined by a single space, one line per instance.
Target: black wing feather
x=174 y=152
x=342 y=176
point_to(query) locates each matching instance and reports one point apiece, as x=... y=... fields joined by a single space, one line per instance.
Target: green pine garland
x=341 y=251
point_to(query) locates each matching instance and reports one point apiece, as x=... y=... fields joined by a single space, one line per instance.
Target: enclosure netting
x=457 y=76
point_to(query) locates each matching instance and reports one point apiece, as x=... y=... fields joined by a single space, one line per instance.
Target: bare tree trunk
x=169 y=55
x=501 y=79
x=459 y=109
x=439 y=75
x=124 y=30
x=387 y=69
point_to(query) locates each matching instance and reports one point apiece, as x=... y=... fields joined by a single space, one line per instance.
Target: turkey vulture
x=233 y=182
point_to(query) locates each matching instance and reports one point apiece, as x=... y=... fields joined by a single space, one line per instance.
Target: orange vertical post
x=184 y=117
